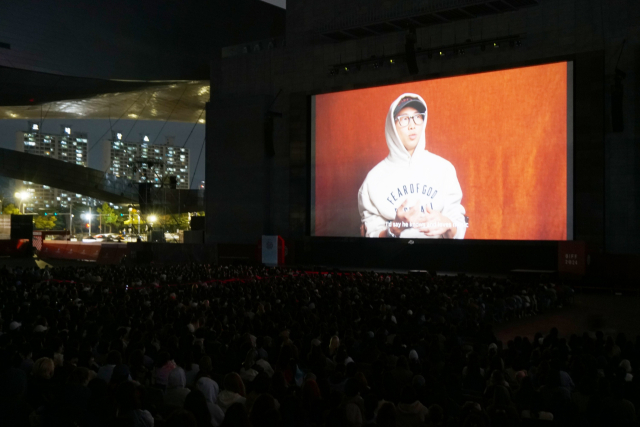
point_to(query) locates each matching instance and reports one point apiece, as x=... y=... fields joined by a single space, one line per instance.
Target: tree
x=43 y=222
x=109 y=216
x=10 y=209
x=136 y=218
x=172 y=222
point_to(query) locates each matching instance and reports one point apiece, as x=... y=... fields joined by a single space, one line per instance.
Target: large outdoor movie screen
x=481 y=156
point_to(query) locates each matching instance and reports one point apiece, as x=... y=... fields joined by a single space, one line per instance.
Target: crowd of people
x=204 y=345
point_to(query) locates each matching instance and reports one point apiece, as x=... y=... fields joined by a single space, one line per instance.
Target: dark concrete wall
x=237 y=192
x=121 y=39
x=607 y=199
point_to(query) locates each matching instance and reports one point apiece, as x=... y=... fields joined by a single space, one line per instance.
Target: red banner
x=112 y=253
x=572 y=257
x=103 y=253
x=70 y=250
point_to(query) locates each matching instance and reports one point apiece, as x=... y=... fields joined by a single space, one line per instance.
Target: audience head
x=43 y=368
x=233 y=382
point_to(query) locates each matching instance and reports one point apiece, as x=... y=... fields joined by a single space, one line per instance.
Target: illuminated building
x=146 y=162
x=68 y=147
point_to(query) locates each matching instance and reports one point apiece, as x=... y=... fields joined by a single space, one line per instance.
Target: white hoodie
x=210 y=389
x=423 y=178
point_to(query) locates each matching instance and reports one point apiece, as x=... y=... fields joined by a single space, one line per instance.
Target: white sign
x=270 y=250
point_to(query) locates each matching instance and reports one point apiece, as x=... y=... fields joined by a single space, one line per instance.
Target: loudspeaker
x=21 y=227
x=197 y=223
x=173 y=182
x=410 y=52
x=269 y=149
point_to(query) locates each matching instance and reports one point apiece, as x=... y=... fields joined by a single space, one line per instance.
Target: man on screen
x=412 y=193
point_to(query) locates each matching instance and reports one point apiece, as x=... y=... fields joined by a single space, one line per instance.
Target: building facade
x=68 y=146
x=161 y=165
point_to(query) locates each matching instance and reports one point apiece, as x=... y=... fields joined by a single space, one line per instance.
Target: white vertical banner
x=270 y=250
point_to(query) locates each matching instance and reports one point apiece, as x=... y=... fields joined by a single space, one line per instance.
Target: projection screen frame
x=570 y=200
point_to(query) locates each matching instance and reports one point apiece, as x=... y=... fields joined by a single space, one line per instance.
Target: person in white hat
x=412 y=193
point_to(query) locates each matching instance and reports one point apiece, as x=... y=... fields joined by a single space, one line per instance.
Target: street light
x=22 y=195
x=130 y=223
x=88 y=217
x=151 y=219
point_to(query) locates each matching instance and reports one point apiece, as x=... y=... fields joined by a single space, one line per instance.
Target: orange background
x=505 y=132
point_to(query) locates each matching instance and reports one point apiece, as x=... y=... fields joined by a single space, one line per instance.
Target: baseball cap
x=409 y=101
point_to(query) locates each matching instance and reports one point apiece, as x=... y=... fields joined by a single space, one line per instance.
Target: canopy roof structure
x=104 y=59
x=48 y=96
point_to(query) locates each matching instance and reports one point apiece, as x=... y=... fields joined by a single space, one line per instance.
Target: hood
x=397 y=152
x=209 y=388
x=177 y=378
x=227 y=398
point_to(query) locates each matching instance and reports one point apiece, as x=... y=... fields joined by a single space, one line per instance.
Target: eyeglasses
x=403 y=121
